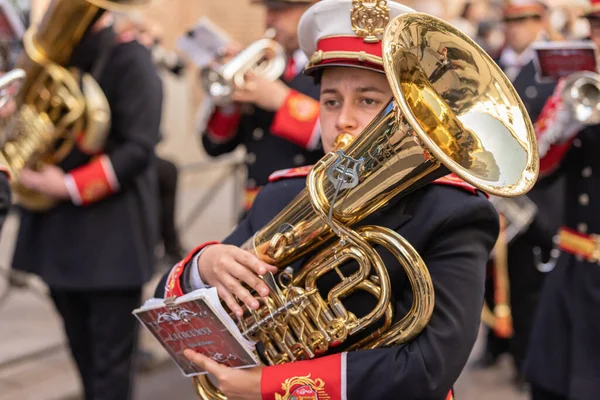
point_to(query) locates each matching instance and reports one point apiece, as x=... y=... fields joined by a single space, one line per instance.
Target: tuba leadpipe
x=264 y=57
x=453 y=110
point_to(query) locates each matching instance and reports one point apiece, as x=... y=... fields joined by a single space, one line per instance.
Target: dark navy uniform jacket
x=454 y=231
x=108 y=243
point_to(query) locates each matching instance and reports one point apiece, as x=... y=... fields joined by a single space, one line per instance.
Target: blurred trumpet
x=265 y=57
x=581 y=97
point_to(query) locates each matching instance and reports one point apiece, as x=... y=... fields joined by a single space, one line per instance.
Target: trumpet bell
x=581 y=93
x=462 y=107
x=265 y=58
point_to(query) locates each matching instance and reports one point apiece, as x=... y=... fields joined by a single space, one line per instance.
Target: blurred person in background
x=95 y=248
x=276 y=121
x=563 y=361
x=132 y=27
x=524 y=25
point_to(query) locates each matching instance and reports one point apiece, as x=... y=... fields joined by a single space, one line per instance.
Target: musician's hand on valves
x=226 y=267
x=266 y=94
x=50 y=180
x=236 y=384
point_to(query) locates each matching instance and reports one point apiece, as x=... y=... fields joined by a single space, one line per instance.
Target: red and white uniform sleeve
x=92 y=182
x=298 y=120
x=219 y=124
x=555 y=130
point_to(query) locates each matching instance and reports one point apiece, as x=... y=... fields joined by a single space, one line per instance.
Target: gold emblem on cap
x=369 y=18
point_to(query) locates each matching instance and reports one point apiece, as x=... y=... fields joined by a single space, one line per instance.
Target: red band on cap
x=349 y=44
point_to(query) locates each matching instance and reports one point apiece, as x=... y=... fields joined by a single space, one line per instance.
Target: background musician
x=95 y=248
x=276 y=121
x=563 y=361
x=524 y=24
x=452 y=226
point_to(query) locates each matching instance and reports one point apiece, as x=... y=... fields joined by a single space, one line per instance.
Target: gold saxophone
x=453 y=111
x=52 y=107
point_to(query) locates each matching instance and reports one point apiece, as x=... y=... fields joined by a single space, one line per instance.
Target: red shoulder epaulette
x=453 y=180
x=290 y=173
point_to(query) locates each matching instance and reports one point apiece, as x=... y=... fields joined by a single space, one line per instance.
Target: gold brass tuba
x=453 y=111
x=264 y=57
x=52 y=107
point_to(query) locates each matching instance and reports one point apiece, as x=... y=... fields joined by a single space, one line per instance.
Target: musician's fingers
x=247 y=276
x=207 y=364
x=252 y=262
x=236 y=288
x=228 y=298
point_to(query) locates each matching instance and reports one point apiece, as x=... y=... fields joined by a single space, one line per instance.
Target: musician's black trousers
x=102 y=335
x=167 y=185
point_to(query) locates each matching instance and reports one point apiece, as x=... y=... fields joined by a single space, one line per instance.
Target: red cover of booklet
x=197 y=321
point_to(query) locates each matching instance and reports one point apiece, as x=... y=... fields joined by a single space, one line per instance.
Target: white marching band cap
x=346 y=32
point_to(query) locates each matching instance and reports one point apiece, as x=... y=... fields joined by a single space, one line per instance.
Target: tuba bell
x=264 y=57
x=453 y=110
x=56 y=106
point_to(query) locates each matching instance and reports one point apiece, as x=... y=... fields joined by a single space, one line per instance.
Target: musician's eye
x=330 y=103
x=369 y=101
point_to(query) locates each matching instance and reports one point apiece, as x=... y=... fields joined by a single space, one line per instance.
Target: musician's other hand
x=266 y=94
x=226 y=267
x=50 y=180
x=236 y=384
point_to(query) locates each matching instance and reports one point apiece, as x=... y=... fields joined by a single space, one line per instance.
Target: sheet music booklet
x=203 y=43
x=197 y=321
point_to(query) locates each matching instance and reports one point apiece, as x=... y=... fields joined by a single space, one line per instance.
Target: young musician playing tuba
x=451 y=225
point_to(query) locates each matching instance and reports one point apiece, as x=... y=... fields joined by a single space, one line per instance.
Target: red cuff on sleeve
x=173 y=285
x=222 y=126
x=94 y=181
x=554 y=157
x=322 y=378
x=297 y=120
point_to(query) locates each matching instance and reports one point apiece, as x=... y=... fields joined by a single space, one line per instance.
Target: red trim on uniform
x=94 y=180
x=290 y=173
x=222 y=126
x=554 y=157
x=317 y=378
x=450 y=395
x=453 y=180
x=296 y=119
x=173 y=285
x=5 y=170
